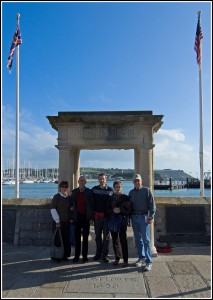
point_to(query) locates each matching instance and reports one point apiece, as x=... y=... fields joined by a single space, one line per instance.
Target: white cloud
x=37 y=145
x=172 y=151
x=174 y=134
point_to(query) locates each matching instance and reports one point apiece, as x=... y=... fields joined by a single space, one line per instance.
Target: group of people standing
x=111 y=211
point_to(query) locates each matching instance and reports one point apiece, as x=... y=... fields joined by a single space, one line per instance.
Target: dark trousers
x=65 y=237
x=102 y=244
x=116 y=236
x=82 y=228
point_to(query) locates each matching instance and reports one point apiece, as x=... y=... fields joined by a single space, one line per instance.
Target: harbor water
x=48 y=190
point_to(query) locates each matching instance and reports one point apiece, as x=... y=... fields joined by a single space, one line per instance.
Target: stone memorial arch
x=105 y=130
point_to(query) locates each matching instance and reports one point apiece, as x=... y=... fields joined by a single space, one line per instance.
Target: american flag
x=15 y=42
x=197 y=46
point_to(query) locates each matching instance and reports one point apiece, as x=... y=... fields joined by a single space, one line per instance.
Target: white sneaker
x=139 y=263
x=148 y=267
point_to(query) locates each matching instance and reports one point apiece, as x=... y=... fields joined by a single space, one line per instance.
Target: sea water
x=48 y=190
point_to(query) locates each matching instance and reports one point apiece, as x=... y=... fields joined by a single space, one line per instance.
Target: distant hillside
x=174 y=174
x=128 y=173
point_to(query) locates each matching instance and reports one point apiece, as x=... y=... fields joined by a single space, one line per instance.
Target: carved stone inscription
x=108 y=133
x=89 y=133
x=124 y=284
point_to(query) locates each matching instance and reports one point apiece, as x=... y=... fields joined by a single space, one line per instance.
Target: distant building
x=159 y=175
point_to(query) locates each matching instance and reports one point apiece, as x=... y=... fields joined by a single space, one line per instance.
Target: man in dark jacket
x=101 y=195
x=82 y=214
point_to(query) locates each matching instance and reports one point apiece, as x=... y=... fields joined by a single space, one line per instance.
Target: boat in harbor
x=8 y=181
x=116 y=178
x=27 y=181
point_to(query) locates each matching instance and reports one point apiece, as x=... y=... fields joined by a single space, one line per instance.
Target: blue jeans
x=142 y=237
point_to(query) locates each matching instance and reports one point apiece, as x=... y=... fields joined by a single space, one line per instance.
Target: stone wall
x=28 y=221
x=182 y=220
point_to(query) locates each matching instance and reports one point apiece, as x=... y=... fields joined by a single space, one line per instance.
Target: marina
x=47 y=190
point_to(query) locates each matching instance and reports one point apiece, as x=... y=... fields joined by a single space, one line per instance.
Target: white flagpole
x=17 y=115
x=201 y=138
x=201 y=122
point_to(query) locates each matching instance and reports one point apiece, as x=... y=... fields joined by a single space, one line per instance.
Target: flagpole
x=201 y=121
x=17 y=114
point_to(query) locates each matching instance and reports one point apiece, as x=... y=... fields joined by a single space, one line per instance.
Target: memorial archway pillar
x=144 y=167
x=69 y=162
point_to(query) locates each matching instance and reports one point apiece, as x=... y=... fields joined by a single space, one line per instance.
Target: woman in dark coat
x=118 y=212
x=60 y=212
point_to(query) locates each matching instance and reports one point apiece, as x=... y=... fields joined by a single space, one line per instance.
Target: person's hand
x=91 y=222
x=116 y=210
x=149 y=220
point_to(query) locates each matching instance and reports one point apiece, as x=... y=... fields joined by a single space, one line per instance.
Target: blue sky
x=106 y=56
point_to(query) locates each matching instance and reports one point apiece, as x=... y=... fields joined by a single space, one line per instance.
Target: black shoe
x=65 y=259
x=75 y=260
x=116 y=262
x=96 y=257
x=125 y=264
x=84 y=260
x=105 y=259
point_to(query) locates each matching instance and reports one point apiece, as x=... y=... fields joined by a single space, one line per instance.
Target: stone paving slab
x=192 y=257
x=107 y=281
x=162 y=287
x=182 y=268
x=192 y=286
x=160 y=269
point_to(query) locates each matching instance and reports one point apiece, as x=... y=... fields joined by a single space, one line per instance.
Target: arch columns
x=144 y=167
x=69 y=165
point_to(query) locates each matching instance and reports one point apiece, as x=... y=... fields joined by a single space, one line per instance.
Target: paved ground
x=28 y=272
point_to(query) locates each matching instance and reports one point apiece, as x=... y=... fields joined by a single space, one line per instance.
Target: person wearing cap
x=143 y=210
x=60 y=212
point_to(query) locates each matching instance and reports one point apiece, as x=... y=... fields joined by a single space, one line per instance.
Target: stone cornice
x=115 y=118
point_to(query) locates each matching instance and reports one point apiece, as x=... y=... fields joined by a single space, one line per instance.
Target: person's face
x=102 y=181
x=64 y=189
x=81 y=182
x=137 y=183
x=118 y=188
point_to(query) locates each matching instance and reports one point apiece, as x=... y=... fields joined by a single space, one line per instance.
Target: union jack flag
x=15 y=42
x=198 y=38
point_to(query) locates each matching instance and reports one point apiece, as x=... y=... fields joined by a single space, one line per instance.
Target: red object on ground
x=165 y=249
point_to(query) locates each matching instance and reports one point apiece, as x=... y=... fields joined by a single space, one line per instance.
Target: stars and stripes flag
x=15 y=42
x=198 y=38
